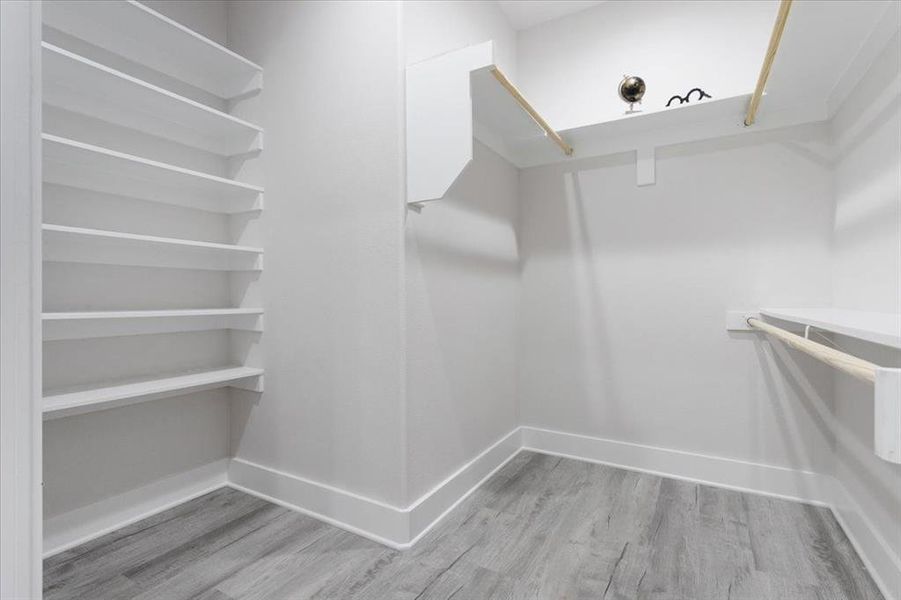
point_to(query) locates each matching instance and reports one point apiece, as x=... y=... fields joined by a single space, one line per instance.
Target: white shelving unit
x=76 y=164
x=454 y=97
x=145 y=114
x=875 y=327
x=80 y=85
x=82 y=325
x=148 y=38
x=73 y=401
x=79 y=244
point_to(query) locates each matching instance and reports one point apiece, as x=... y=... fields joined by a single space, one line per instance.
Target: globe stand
x=631 y=89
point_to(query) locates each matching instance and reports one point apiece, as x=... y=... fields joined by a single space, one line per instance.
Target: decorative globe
x=631 y=88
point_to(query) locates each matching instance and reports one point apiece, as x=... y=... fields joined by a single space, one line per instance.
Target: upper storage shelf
x=879 y=328
x=146 y=37
x=454 y=97
x=75 y=164
x=76 y=84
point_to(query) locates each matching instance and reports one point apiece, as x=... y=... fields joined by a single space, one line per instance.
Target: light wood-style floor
x=543 y=527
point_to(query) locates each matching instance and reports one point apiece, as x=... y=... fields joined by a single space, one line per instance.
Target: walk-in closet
x=450 y=299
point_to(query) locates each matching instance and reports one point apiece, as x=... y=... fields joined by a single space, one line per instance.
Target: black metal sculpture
x=687 y=97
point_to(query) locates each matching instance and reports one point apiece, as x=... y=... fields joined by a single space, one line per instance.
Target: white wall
x=333 y=409
x=625 y=290
x=433 y=27
x=462 y=309
x=462 y=278
x=570 y=68
x=867 y=276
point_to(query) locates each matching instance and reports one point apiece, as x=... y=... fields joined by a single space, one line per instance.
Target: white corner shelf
x=93 y=324
x=76 y=164
x=451 y=99
x=875 y=327
x=148 y=38
x=77 y=84
x=63 y=243
x=59 y=403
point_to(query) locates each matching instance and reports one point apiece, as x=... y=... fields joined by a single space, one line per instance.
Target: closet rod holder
x=768 y=59
x=856 y=367
x=539 y=120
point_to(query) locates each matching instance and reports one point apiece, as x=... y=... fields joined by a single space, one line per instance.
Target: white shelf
x=73 y=401
x=146 y=37
x=454 y=97
x=82 y=325
x=74 y=83
x=78 y=244
x=879 y=328
x=706 y=119
x=80 y=165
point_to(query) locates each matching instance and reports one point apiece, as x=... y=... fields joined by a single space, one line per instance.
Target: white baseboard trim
x=358 y=514
x=78 y=526
x=757 y=478
x=875 y=552
x=426 y=512
x=392 y=526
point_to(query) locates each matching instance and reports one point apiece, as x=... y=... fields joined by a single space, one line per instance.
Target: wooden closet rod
x=775 y=38
x=856 y=367
x=520 y=99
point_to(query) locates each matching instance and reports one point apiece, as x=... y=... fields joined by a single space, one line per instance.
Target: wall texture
x=625 y=290
x=867 y=276
x=333 y=231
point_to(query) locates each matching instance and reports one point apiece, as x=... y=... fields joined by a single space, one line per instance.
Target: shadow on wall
x=462 y=284
x=598 y=359
x=697 y=214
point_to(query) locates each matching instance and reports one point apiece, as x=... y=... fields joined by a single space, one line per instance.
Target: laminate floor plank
x=542 y=528
x=112 y=555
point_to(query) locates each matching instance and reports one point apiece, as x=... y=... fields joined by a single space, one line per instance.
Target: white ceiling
x=523 y=14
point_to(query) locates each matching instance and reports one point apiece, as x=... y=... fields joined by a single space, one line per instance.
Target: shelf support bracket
x=646 y=165
x=887 y=415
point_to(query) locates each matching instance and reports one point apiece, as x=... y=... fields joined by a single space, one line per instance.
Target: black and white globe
x=631 y=89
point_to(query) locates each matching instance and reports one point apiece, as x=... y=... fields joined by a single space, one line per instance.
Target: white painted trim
x=757 y=478
x=20 y=300
x=390 y=525
x=364 y=516
x=875 y=552
x=94 y=520
x=428 y=511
